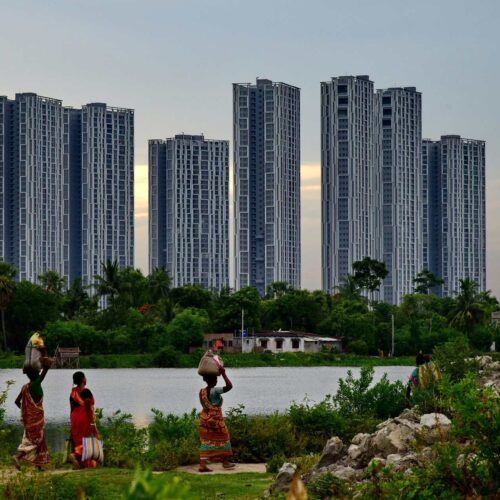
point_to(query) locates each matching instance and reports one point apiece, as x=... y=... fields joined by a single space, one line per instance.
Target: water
x=175 y=390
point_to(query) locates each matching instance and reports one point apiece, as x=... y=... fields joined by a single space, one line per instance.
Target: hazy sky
x=174 y=62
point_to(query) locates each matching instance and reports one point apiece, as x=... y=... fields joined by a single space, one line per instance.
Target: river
x=175 y=390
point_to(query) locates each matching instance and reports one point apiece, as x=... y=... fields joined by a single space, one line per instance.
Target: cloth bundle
x=32 y=352
x=210 y=364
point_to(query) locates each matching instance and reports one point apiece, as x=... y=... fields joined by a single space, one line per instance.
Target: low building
x=229 y=342
x=288 y=341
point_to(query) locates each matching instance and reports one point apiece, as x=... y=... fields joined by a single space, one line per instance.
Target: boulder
x=360 y=451
x=332 y=452
x=394 y=438
x=401 y=463
x=346 y=473
x=433 y=420
x=284 y=478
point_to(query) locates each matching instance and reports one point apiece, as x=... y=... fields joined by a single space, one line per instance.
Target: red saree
x=33 y=445
x=214 y=436
x=81 y=412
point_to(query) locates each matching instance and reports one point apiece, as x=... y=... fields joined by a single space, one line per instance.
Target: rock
x=361 y=451
x=360 y=438
x=484 y=361
x=354 y=452
x=284 y=478
x=410 y=416
x=332 y=452
x=394 y=438
x=346 y=473
x=401 y=463
x=433 y=420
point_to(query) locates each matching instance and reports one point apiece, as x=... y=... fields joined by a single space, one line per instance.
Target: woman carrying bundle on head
x=214 y=436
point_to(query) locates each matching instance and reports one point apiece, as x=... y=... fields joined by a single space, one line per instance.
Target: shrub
x=329 y=486
x=453 y=356
x=359 y=347
x=146 y=486
x=124 y=444
x=167 y=357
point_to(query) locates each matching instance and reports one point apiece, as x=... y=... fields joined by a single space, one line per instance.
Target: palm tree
x=109 y=283
x=158 y=284
x=349 y=288
x=468 y=309
x=52 y=281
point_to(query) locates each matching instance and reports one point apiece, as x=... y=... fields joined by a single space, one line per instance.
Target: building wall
x=456 y=219
x=350 y=179
x=266 y=119
x=107 y=175
x=189 y=210
x=400 y=139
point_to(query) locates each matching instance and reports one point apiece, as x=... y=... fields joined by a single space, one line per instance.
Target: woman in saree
x=83 y=422
x=214 y=436
x=33 y=447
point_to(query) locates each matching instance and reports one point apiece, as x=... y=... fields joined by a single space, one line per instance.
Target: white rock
x=284 y=478
x=432 y=420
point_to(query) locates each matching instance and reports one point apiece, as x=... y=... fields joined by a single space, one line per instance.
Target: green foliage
x=454 y=358
x=186 y=330
x=426 y=280
x=125 y=444
x=167 y=357
x=329 y=486
x=146 y=486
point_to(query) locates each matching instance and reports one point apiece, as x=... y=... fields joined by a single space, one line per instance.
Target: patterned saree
x=214 y=436
x=82 y=408
x=33 y=444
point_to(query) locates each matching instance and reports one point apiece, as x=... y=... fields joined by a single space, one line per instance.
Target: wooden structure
x=67 y=357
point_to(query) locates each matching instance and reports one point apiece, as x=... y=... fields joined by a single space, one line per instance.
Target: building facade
x=266 y=126
x=371 y=179
x=350 y=179
x=400 y=140
x=107 y=188
x=189 y=210
x=34 y=171
x=455 y=222
x=54 y=212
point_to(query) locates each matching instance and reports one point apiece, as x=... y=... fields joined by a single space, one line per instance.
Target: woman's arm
x=46 y=363
x=229 y=384
x=18 y=400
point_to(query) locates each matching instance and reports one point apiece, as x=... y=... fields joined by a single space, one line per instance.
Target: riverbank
x=251 y=360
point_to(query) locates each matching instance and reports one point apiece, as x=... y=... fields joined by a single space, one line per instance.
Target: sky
x=174 y=63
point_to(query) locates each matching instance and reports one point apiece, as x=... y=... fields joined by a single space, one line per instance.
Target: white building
x=189 y=209
x=454 y=222
x=285 y=341
x=350 y=179
x=266 y=124
x=34 y=176
x=400 y=140
x=107 y=188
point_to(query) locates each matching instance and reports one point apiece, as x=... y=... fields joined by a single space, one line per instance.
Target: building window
x=263 y=344
x=295 y=343
x=279 y=343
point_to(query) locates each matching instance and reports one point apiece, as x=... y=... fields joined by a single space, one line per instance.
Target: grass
x=289 y=359
x=110 y=484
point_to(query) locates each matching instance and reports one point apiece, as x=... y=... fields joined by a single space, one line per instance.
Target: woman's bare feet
x=74 y=461
x=228 y=465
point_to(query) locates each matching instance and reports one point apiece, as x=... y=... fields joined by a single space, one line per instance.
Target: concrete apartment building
x=189 y=209
x=455 y=208
x=266 y=126
x=66 y=181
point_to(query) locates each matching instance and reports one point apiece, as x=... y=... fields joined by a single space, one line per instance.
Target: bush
x=329 y=486
x=359 y=347
x=148 y=487
x=168 y=357
x=124 y=444
x=453 y=358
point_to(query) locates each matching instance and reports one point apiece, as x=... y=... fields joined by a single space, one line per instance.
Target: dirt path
x=218 y=469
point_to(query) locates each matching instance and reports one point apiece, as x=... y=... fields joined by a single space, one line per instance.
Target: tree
x=369 y=273
x=192 y=296
x=52 y=282
x=76 y=300
x=7 y=287
x=108 y=284
x=278 y=289
x=158 y=284
x=186 y=329
x=349 y=288
x=468 y=310
x=425 y=281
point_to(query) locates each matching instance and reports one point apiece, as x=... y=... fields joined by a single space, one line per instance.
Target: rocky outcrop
x=390 y=444
x=489 y=372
